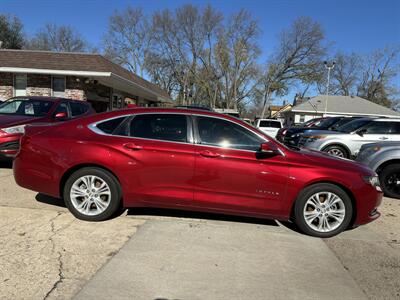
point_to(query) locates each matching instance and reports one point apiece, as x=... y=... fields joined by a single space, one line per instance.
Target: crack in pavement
x=59 y=257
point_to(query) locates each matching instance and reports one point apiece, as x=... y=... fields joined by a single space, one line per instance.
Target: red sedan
x=194 y=160
x=17 y=112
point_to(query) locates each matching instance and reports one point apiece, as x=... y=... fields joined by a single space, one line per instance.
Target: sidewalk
x=186 y=259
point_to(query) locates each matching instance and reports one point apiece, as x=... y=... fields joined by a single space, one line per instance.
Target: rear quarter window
x=110 y=126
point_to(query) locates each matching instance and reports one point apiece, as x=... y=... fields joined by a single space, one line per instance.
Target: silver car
x=347 y=140
x=384 y=158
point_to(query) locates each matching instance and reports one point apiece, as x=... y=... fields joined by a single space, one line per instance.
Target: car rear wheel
x=389 y=178
x=336 y=150
x=323 y=210
x=92 y=194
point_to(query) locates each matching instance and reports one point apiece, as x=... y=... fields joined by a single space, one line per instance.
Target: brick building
x=80 y=76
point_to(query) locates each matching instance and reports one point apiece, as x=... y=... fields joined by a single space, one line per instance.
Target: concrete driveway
x=155 y=254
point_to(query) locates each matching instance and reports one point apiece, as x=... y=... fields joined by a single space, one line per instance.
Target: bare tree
x=236 y=54
x=128 y=39
x=183 y=44
x=58 y=38
x=298 y=57
x=11 y=34
x=379 y=71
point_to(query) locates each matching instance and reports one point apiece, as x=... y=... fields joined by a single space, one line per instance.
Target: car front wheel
x=390 y=180
x=323 y=210
x=92 y=194
x=336 y=150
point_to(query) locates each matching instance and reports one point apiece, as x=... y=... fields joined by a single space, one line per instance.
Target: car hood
x=334 y=162
x=324 y=132
x=15 y=120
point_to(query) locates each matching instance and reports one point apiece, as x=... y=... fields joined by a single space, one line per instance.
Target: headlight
x=371 y=150
x=373 y=181
x=14 y=130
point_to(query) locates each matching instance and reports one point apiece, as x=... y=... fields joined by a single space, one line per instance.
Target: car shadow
x=6 y=165
x=50 y=200
x=175 y=213
x=161 y=212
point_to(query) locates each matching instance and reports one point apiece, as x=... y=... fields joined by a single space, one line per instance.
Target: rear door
x=159 y=158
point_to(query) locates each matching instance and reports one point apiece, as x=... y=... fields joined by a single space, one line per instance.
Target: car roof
x=141 y=110
x=379 y=119
x=46 y=98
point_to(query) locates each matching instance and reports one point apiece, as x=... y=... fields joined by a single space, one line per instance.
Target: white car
x=269 y=126
x=347 y=140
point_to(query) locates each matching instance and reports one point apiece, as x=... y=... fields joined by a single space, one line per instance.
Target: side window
x=221 y=133
x=62 y=108
x=165 y=127
x=111 y=126
x=376 y=127
x=396 y=128
x=78 y=109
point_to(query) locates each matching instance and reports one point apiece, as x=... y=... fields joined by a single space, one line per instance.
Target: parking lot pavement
x=224 y=260
x=46 y=253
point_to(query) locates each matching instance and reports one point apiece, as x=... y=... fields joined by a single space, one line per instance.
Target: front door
x=373 y=132
x=229 y=174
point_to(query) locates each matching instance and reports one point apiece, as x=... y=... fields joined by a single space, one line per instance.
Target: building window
x=20 y=85
x=58 y=86
x=302 y=118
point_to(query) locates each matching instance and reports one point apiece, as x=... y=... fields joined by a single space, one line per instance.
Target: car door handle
x=132 y=146
x=208 y=153
x=383 y=138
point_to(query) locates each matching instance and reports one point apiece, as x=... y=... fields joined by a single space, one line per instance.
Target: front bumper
x=9 y=149
x=368 y=201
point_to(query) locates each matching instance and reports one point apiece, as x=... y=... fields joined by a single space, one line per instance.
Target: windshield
x=273 y=124
x=353 y=125
x=341 y=123
x=309 y=122
x=26 y=107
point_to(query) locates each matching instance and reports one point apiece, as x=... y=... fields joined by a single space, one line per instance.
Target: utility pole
x=329 y=66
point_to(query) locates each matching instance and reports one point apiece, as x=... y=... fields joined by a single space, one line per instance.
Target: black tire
x=336 y=149
x=114 y=187
x=301 y=203
x=387 y=176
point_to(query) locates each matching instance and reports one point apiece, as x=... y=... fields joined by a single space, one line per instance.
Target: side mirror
x=61 y=116
x=268 y=149
x=361 y=132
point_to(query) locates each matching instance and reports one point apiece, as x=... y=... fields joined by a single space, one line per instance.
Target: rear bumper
x=31 y=173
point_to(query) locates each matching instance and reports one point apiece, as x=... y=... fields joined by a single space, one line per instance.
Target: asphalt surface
x=158 y=254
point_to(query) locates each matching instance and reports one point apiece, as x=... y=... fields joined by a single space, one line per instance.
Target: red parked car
x=18 y=112
x=194 y=160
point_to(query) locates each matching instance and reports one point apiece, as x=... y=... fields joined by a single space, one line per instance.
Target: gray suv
x=347 y=140
x=384 y=158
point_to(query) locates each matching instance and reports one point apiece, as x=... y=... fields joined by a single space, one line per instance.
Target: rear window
x=78 y=109
x=273 y=124
x=110 y=126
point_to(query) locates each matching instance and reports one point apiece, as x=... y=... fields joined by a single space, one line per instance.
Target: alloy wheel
x=90 y=195
x=324 y=211
x=336 y=152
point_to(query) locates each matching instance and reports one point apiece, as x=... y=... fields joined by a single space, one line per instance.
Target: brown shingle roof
x=71 y=62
